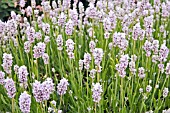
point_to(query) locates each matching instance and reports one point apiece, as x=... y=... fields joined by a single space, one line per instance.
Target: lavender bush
x=112 y=57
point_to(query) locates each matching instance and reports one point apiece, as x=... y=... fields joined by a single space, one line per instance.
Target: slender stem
x=98 y=77
x=141 y=107
x=13 y=107
x=60 y=102
x=155 y=88
x=134 y=44
x=46 y=107
x=59 y=53
x=105 y=54
x=41 y=106
x=164 y=83
x=46 y=70
x=28 y=62
x=87 y=83
x=122 y=93
x=95 y=108
x=37 y=68
x=116 y=88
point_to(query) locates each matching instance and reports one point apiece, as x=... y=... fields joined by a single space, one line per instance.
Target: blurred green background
x=6 y=6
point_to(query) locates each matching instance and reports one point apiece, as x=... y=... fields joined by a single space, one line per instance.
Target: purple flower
x=46 y=28
x=10 y=87
x=46 y=6
x=7 y=62
x=80 y=64
x=147 y=47
x=16 y=67
x=98 y=55
x=27 y=46
x=38 y=91
x=48 y=88
x=161 y=67
x=59 y=41
x=92 y=46
x=92 y=73
x=33 y=3
x=165 y=92
x=62 y=86
x=167 y=69
x=87 y=60
x=148 y=88
x=61 y=19
x=91 y=11
x=81 y=8
x=74 y=16
x=107 y=24
x=2 y=77
x=30 y=32
x=132 y=67
x=39 y=50
x=66 y=5
x=54 y=4
x=25 y=102
x=43 y=91
x=123 y=63
x=155 y=46
x=141 y=72
x=47 y=39
x=119 y=40
x=70 y=48
x=137 y=32
x=29 y=11
x=69 y=27
x=22 y=74
x=38 y=35
x=163 y=53
x=22 y=3
x=45 y=58
x=97 y=90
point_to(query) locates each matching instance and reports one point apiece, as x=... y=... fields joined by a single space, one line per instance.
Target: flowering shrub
x=111 y=57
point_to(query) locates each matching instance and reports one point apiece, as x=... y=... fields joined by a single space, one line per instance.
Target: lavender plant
x=111 y=57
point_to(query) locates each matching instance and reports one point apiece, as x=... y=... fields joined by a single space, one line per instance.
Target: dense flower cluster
x=25 y=102
x=22 y=74
x=62 y=86
x=7 y=62
x=52 y=46
x=39 y=50
x=121 y=67
x=59 y=41
x=120 y=40
x=10 y=87
x=70 y=48
x=87 y=60
x=97 y=90
x=42 y=91
x=98 y=55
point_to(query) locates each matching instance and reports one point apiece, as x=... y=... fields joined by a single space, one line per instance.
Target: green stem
x=155 y=88
x=95 y=108
x=122 y=95
x=37 y=68
x=13 y=107
x=60 y=102
x=141 y=107
x=87 y=83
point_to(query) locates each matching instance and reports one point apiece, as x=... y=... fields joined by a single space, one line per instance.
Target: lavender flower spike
x=25 y=102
